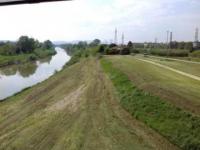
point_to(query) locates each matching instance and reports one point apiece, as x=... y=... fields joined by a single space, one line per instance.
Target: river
x=15 y=78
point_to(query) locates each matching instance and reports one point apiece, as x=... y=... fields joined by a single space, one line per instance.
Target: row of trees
x=181 y=45
x=80 y=46
x=23 y=45
x=113 y=49
x=171 y=45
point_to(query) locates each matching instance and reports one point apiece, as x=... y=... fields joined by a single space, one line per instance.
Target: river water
x=15 y=78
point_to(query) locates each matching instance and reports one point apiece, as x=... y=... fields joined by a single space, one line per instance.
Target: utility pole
x=115 y=38
x=155 y=43
x=171 y=38
x=167 y=39
x=122 y=39
x=196 y=35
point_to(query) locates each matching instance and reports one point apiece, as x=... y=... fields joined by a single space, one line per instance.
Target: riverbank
x=23 y=58
x=75 y=109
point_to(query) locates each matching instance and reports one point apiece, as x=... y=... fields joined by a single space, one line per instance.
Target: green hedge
x=42 y=53
x=178 y=126
x=169 y=52
x=195 y=54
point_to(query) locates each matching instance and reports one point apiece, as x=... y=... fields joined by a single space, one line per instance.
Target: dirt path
x=171 y=69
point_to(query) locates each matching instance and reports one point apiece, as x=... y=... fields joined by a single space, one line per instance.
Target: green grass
x=75 y=109
x=178 y=89
x=187 y=67
x=178 y=126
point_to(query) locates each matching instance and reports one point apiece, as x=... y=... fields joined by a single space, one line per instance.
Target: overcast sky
x=140 y=20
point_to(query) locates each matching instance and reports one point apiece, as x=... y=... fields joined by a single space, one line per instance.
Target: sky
x=139 y=20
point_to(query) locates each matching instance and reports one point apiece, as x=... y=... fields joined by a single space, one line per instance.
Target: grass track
x=75 y=109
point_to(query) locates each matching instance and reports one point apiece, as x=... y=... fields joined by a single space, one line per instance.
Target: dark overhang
x=14 y=2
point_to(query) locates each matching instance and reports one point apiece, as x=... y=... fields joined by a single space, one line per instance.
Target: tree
x=102 y=48
x=26 y=44
x=173 y=45
x=188 y=46
x=130 y=44
x=47 y=44
x=112 y=45
x=181 y=45
x=8 y=49
x=95 y=42
x=37 y=44
x=81 y=45
x=125 y=51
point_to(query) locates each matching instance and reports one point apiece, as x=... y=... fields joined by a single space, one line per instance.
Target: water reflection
x=15 y=78
x=24 y=70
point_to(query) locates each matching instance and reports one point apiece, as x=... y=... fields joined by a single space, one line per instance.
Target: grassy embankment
x=23 y=58
x=179 y=90
x=75 y=109
x=187 y=66
x=180 y=127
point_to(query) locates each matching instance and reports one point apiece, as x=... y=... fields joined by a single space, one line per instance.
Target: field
x=180 y=127
x=178 y=89
x=78 y=108
x=190 y=67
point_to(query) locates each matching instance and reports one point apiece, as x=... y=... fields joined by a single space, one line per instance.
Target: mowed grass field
x=78 y=108
x=182 y=91
x=187 y=66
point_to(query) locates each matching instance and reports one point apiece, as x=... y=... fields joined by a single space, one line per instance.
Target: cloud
x=141 y=20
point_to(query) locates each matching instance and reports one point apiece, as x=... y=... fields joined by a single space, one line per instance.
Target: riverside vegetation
x=24 y=50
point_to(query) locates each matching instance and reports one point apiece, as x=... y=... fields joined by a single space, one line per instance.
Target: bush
x=102 y=48
x=112 y=51
x=32 y=57
x=169 y=52
x=125 y=51
x=41 y=53
x=134 y=50
x=195 y=54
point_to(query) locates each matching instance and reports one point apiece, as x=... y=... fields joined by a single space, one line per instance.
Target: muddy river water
x=15 y=78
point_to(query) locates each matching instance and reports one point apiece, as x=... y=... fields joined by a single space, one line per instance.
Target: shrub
x=112 y=51
x=134 y=50
x=102 y=48
x=169 y=52
x=195 y=54
x=125 y=51
x=32 y=57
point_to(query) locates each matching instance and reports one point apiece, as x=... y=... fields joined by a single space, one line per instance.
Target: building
x=196 y=43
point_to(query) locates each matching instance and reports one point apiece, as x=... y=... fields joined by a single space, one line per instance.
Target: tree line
x=24 y=45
